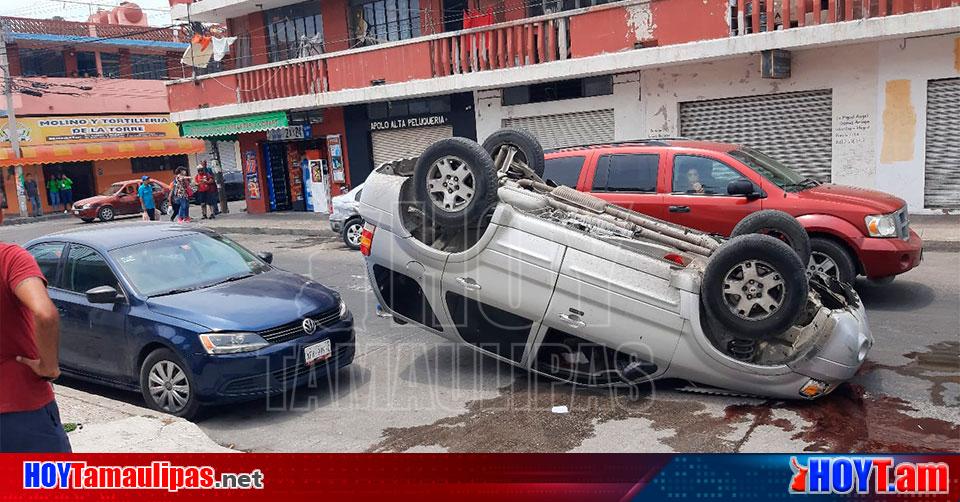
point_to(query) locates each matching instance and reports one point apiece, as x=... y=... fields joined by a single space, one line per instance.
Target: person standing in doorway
x=181 y=193
x=206 y=190
x=66 y=192
x=53 y=189
x=33 y=194
x=29 y=343
x=145 y=194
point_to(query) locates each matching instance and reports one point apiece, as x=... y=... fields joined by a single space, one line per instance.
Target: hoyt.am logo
x=878 y=475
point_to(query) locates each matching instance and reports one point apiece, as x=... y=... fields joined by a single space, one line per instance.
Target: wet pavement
x=409 y=390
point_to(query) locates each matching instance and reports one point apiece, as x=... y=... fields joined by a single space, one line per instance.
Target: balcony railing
x=94 y=30
x=755 y=16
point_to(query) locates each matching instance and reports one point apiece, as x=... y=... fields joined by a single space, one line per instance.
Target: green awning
x=234 y=125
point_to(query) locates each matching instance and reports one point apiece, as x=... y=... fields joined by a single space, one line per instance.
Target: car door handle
x=468 y=283
x=572 y=320
x=679 y=209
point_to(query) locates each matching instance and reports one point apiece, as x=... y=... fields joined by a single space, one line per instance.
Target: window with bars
x=110 y=64
x=294 y=31
x=381 y=21
x=540 y=7
x=148 y=66
x=42 y=62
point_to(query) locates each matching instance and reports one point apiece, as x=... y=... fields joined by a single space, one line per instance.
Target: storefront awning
x=47 y=154
x=234 y=125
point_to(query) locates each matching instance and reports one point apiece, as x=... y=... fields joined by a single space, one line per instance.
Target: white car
x=561 y=283
x=345 y=218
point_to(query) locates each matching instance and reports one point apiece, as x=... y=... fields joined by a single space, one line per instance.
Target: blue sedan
x=187 y=316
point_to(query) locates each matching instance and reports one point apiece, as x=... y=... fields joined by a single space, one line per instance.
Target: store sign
x=235 y=125
x=424 y=121
x=289 y=133
x=80 y=129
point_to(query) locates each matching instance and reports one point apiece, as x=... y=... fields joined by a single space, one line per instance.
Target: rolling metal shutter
x=941 y=188
x=567 y=129
x=795 y=128
x=228 y=155
x=405 y=143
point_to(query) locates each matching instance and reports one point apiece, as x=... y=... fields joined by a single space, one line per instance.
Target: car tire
x=760 y=266
x=162 y=207
x=165 y=365
x=351 y=233
x=829 y=257
x=528 y=147
x=106 y=213
x=777 y=224
x=455 y=182
x=87 y=220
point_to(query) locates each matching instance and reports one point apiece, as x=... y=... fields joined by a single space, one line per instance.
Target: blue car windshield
x=185 y=263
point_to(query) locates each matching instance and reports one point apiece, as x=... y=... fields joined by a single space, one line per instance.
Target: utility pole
x=12 y=131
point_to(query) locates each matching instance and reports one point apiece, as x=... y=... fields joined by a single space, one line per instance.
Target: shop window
x=110 y=64
x=626 y=173
x=539 y=7
x=164 y=163
x=379 y=21
x=42 y=62
x=294 y=31
x=87 y=64
x=558 y=90
x=149 y=66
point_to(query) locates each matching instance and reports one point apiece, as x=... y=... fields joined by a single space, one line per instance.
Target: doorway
x=81 y=173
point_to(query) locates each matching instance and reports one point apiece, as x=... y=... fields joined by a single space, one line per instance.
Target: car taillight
x=366 y=238
x=675 y=258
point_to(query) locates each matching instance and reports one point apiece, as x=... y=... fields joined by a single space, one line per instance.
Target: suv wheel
x=455 y=182
x=830 y=258
x=776 y=224
x=351 y=232
x=526 y=149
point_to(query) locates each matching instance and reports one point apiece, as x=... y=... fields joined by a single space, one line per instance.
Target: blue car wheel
x=167 y=384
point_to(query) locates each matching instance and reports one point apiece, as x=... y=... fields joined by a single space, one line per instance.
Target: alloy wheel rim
x=820 y=263
x=353 y=234
x=107 y=213
x=754 y=290
x=169 y=386
x=450 y=184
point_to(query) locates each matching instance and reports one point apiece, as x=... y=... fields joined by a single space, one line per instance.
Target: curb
x=273 y=231
x=34 y=219
x=948 y=246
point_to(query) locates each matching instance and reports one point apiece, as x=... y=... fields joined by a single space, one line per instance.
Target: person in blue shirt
x=145 y=193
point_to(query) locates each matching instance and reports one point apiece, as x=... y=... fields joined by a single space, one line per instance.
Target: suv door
x=497 y=291
x=629 y=180
x=93 y=333
x=698 y=194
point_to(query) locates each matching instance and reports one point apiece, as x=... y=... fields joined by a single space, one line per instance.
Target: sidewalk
x=939 y=232
x=104 y=425
x=238 y=221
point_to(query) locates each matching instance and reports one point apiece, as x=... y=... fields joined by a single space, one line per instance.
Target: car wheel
x=456 y=183
x=777 y=224
x=526 y=149
x=351 y=233
x=167 y=385
x=755 y=285
x=86 y=220
x=105 y=213
x=162 y=207
x=829 y=257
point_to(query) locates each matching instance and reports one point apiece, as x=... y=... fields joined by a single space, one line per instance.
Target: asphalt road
x=411 y=391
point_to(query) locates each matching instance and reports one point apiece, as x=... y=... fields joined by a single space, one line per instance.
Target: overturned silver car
x=470 y=243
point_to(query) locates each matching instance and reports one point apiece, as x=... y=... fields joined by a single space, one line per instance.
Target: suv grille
x=294 y=329
x=903 y=223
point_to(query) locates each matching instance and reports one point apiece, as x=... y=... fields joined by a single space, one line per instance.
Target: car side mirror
x=745 y=188
x=266 y=256
x=103 y=294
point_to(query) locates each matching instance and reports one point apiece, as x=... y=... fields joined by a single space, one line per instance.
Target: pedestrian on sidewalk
x=145 y=194
x=53 y=190
x=29 y=417
x=66 y=192
x=33 y=194
x=206 y=190
x=181 y=193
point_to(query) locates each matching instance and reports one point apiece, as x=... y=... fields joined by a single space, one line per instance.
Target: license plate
x=76 y=211
x=316 y=352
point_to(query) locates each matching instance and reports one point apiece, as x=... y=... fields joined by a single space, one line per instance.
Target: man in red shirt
x=29 y=340
x=206 y=190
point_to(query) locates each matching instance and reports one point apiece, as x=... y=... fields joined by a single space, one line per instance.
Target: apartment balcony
x=544 y=47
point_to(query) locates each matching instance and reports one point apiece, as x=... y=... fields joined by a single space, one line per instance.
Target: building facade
x=90 y=104
x=859 y=93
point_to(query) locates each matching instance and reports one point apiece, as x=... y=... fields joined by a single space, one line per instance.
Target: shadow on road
x=898 y=296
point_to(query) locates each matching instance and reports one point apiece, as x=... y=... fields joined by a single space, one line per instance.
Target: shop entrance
x=284 y=169
x=81 y=173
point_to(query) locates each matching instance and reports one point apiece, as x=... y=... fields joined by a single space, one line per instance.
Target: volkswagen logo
x=309 y=326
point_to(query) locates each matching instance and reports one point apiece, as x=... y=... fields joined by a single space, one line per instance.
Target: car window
x=357 y=198
x=129 y=190
x=626 y=173
x=85 y=270
x=563 y=170
x=48 y=256
x=702 y=175
x=156 y=187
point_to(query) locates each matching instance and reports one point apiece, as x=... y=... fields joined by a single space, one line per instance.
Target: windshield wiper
x=175 y=291
x=809 y=182
x=231 y=279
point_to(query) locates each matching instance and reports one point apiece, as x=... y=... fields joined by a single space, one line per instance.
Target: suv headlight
x=232 y=343
x=881 y=225
x=343 y=309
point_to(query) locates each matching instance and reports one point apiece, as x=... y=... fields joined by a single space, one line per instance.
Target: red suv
x=712 y=186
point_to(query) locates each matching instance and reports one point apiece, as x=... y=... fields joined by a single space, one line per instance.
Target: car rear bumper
x=838 y=356
x=886 y=257
x=274 y=369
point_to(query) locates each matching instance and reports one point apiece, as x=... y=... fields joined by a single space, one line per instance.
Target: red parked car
x=712 y=186
x=120 y=199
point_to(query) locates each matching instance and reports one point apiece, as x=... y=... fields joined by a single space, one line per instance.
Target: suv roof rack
x=628 y=142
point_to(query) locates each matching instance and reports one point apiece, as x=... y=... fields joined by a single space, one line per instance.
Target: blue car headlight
x=231 y=343
x=343 y=310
